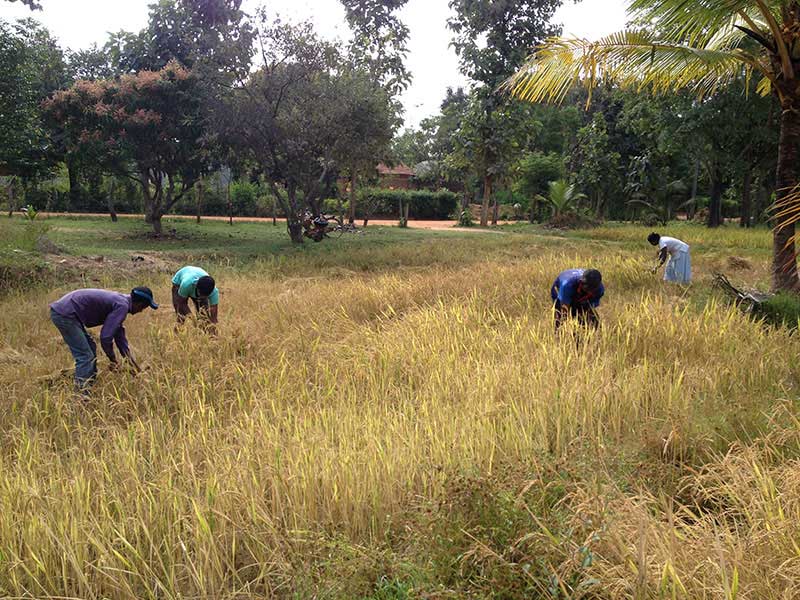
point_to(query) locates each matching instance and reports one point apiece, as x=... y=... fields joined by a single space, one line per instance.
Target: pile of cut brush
x=777 y=310
x=751 y=301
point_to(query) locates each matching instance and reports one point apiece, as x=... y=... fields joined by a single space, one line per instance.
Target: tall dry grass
x=330 y=407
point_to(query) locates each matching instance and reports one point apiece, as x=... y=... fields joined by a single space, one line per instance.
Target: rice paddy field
x=390 y=416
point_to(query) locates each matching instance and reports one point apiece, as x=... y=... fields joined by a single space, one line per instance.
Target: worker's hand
x=133 y=365
x=654 y=269
x=114 y=366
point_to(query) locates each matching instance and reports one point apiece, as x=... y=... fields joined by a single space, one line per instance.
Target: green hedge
x=378 y=202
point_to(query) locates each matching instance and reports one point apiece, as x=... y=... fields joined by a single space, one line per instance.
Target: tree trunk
x=495 y=211
x=294 y=216
x=763 y=191
x=110 y=202
x=598 y=204
x=11 y=206
x=74 y=186
x=295 y=231
x=156 y=224
x=487 y=194
x=695 y=178
x=230 y=205
x=353 y=180
x=715 y=205
x=784 y=258
x=747 y=181
x=199 y=200
x=152 y=206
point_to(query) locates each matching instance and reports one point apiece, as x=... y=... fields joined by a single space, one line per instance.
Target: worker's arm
x=182 y=309
x=662 y=256
x=114 y=331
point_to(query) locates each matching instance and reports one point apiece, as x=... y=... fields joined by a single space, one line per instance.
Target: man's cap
x=205 y=285
x=144 y=294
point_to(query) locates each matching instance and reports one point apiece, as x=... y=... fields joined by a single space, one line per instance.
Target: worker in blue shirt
x=576 y=293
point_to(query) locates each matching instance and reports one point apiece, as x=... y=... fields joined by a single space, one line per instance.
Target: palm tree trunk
x=784 y=257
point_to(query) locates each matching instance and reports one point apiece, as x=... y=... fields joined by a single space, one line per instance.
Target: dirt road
x=431 y=225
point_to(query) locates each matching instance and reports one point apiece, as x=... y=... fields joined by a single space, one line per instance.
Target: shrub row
x=378 y=202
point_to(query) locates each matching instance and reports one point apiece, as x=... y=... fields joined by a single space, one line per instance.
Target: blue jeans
x=82 y=346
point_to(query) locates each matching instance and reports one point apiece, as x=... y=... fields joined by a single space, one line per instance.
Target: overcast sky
x=434 y=65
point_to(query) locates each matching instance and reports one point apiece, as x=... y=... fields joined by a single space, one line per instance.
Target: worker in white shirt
x=679 y=267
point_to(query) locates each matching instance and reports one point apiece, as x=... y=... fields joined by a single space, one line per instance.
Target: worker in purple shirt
x=576 y=293
x=78 y=310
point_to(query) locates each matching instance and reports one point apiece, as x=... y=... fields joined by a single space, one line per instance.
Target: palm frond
x=697 y=22
x=785 y=211
x=632 y=59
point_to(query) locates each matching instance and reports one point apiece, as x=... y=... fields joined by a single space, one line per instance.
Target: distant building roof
x=400 y=169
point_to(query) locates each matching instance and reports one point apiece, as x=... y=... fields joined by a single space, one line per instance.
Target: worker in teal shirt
x=195 y=283
x=576 y=293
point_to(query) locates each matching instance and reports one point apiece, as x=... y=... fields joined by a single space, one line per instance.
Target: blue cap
x=144 y=294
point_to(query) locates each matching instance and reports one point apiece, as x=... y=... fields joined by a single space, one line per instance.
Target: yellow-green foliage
x=316 y=445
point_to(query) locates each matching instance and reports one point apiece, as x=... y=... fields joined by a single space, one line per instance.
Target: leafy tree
x=298 y=118
x=380 y=41
x=660 y=149
x=731 y=133
x=413 y=146
x=492 y=40
x=596 y=164
x=21 y=136
x=148 y=127
x=365 y=138
x=434 y=138
x=701 y=47
x=91 y=64
x=45 y=55
x=491 y=144
x=436 y=143
x=377 y=51
x=534 y=172
x=31 y=67
x=211 y=37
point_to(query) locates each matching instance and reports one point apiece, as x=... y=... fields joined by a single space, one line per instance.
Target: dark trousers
x=584 y=313
x=81 y=345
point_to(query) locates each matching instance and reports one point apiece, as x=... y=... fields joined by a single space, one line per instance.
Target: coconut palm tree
x=701 y=45
x=562 y=197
